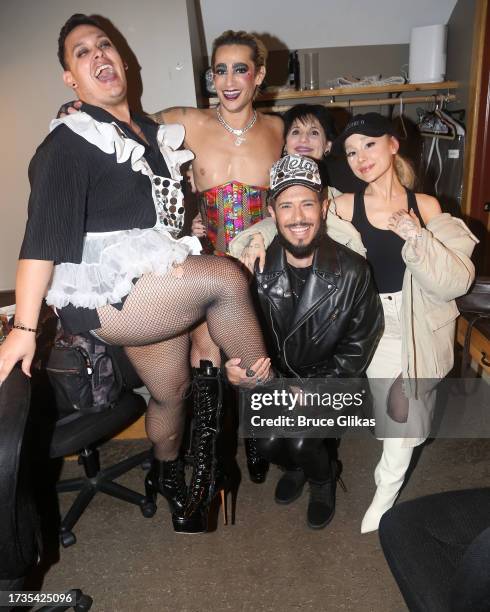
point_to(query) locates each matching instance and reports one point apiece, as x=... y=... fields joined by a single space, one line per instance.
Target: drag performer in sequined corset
x=227 y=210
x=234 y=147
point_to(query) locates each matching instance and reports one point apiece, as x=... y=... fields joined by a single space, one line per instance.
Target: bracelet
x=28 y=329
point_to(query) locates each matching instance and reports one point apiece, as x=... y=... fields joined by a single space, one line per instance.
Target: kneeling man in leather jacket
x=323 y=318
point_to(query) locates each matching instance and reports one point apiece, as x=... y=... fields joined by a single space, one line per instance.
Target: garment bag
x=443 y=146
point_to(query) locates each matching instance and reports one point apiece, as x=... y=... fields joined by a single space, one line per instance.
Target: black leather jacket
x=338 y=320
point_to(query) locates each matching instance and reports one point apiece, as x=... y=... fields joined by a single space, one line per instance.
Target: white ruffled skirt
x=110 y=262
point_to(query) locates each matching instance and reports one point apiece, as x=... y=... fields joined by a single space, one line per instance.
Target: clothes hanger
x=446 y=120
x=445 y=116
x=404 y=135
x=434 y=124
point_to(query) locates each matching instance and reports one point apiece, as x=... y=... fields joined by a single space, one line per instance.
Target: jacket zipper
x=283 y=345
x=330 y=320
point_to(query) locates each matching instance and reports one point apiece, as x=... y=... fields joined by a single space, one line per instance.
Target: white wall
x=324 y=23
x=32 y=90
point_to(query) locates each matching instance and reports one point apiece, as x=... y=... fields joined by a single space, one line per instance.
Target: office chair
x=19 y=525
x=83 y=433
x=438 y=550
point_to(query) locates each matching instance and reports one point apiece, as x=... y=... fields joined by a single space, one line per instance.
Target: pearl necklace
x=237 y=132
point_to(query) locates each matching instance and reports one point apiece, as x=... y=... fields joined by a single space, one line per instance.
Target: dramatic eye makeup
x=220 y=69
x=238 y=68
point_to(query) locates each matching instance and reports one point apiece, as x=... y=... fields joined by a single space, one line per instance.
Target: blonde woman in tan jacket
x=421 y=262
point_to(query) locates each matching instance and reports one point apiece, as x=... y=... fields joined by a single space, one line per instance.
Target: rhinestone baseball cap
x=294 y=170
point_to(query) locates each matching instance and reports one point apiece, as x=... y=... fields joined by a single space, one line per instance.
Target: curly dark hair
x=73 y=22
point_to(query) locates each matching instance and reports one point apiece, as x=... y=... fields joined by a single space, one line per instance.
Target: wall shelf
x=292 y=94
x=269 y=98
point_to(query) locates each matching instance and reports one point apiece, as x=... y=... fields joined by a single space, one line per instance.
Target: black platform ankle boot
x=207 y=473
x=257 y=465
x=167 y=478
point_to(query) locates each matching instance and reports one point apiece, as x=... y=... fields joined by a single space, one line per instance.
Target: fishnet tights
x=398 y=402
x=164 y=368
x=203 y=346
x=153 y=325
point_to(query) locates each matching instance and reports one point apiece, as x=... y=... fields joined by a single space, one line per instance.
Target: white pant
x=383 y=370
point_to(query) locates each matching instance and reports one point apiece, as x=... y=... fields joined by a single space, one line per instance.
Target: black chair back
x=19 y=527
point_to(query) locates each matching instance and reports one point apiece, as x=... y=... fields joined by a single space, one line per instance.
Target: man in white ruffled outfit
x=105 y=202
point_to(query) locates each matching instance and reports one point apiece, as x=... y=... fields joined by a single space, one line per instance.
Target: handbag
x=475 y=306
x=83 y=374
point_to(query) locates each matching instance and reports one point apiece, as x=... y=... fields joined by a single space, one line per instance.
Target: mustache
x=303 y=224
x=303 y=250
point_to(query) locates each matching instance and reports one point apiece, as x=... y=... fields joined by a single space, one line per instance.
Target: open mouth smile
x=105 y=72
x=231 y=94
x=299 y=231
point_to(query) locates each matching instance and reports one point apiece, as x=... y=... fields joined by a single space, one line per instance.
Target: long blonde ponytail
x=404 y=171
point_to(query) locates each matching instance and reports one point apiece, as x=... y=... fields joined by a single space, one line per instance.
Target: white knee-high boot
x=388 y=475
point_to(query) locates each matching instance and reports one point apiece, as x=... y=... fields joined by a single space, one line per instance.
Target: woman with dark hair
x=309 y=130
x=106 y=203
x=314 y=121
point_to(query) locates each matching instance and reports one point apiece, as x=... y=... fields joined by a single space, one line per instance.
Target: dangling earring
x=284 y=151
x=125 y=66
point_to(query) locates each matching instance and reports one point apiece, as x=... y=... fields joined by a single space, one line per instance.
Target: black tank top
x=384 y=247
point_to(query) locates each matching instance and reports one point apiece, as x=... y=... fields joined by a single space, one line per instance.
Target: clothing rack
x=356 y=96
x=436 y=99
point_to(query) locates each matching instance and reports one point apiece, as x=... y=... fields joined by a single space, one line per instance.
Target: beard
x=301 y=251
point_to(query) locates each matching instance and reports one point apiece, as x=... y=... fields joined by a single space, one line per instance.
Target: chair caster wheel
x=148 y=509
x=67 y=538
x=83 y=602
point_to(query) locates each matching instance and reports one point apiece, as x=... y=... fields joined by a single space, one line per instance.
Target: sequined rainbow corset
x=229 y=209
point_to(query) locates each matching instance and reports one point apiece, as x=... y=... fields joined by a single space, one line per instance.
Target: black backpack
x=83 y=373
